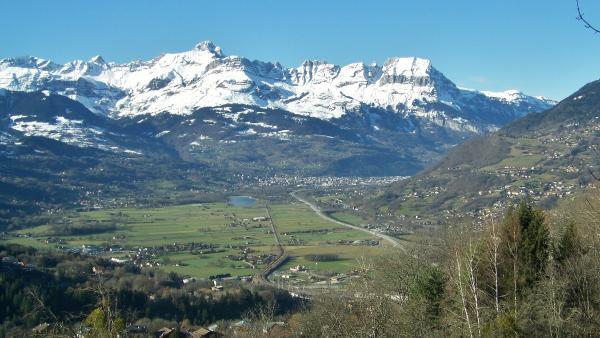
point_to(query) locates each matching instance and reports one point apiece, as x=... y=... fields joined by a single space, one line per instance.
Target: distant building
x=189 y=280
x=164 y=332
x=336 y=279
x=202 y=333
x=298 y=268
x=118 y=260
x=198 y=333
x=217 y=287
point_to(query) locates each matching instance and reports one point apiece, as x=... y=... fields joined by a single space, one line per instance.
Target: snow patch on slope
x=180 y=83
x=72 y=132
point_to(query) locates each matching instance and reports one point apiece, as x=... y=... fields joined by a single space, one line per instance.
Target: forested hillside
x=543 y=157
x=531 y=273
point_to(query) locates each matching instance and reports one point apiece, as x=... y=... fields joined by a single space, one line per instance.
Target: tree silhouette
x=581 y=18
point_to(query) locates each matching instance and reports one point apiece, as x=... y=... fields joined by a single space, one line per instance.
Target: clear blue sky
x=533 y=45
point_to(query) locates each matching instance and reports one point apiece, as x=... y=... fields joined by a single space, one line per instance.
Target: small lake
x=241 y=201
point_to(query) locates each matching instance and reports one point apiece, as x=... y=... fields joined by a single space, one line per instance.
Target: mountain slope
x=55 y=154
x=543 y=157
x=260 y=118
x=264 y=142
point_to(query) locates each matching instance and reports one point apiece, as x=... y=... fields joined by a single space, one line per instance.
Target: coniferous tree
x=569 y=244
x=526 y=248
x=534 y=245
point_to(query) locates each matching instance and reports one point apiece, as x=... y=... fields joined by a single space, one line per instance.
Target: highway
x=393 y=241
x=263 y=276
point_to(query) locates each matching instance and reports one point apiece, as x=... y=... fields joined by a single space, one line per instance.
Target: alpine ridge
x=180 y=83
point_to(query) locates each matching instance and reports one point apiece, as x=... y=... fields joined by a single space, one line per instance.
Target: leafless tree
x=58 y=328
x=459 y=284
x=259 y=318
x=494 y=245
x=581 y=18
x=473 y=286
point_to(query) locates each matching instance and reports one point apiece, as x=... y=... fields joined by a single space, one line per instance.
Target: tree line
x=70 y=291
x=531 y=273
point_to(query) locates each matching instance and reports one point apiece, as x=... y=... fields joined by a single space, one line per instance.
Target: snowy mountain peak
x=507 y=95
x=28 y=62
x=209 y=47
x=407 y=66
x=98 y=60
x=180 y=83
x=314 y=71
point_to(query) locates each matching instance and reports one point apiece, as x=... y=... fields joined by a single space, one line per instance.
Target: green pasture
x=220 y=224
x=349 y=257
x=298 y=221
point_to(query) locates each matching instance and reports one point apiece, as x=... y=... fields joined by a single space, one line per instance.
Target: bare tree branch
x=582 y=19
x=593 y=174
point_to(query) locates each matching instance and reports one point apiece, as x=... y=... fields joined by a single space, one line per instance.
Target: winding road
x=263 y=275
x=393 y=241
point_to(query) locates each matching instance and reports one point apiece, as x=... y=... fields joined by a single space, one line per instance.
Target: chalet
x=164 y=332
x=189 y=280
x=298 y=268
x=336 y=279
x=203 y=333
x=217 y=287
x=118 y=260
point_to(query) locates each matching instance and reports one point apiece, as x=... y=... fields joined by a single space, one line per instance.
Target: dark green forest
x=68 y=290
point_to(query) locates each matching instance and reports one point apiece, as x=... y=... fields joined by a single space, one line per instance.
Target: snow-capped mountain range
x=180 y=83
x=233 y=114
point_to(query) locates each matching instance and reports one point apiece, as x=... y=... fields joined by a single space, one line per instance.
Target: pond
x=241 y=201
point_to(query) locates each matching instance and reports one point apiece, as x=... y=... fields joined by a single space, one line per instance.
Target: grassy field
x=298 y=224
x=348 y=217
x=224 y=226
x=349 y=257
x=206 y=265
x=217 y=224
x=523 y=154
x=210 y=223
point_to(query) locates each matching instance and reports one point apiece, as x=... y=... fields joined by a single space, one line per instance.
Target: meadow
x=228 y=239
x=349 y=257
x=298 y=224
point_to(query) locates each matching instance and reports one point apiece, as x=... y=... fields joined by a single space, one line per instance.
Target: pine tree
x=569 y=244
x=525 y=249
x=534 y=245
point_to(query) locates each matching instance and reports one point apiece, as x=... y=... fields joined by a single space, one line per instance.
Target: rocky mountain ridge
x=180 y=83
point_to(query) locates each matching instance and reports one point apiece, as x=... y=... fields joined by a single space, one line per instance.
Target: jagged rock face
x=180 y=83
